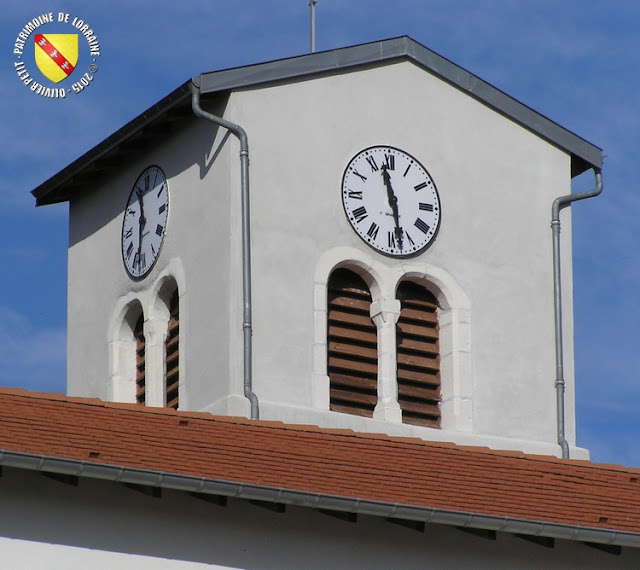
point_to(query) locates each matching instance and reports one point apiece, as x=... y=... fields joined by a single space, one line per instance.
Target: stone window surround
x=455 y=332
x=153 y=303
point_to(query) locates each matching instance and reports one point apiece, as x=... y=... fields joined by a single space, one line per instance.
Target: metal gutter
x=164 y=480
x=584 y=154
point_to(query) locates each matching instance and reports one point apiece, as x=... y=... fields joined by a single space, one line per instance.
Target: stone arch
x=454 y=316
x=166 y=326
x=352 y=345
x=158 y=300
x=154 y=303
x=122 y=350
x=337 y=258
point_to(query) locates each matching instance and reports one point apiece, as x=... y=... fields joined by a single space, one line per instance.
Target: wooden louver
x=418 y=369
x=172 y=375
x=352 y=345
x=141 y=388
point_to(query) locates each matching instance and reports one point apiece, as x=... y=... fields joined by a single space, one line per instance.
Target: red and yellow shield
x=56 y=55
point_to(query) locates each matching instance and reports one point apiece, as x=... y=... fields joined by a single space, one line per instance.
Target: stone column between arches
x=385 y=313
x=155 y=331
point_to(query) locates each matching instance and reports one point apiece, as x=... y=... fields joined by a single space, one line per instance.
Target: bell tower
x=400 y=263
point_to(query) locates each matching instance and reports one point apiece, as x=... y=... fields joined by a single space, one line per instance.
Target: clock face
x=391 y=201
x=145 y=222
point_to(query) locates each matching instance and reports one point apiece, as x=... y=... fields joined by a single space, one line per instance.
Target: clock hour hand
x=393 y=202
x=141 y=223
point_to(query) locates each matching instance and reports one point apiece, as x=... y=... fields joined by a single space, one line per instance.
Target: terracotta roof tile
x=332 y=462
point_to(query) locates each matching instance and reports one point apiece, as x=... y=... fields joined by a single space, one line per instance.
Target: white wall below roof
x=269 y=410
x=47 y=525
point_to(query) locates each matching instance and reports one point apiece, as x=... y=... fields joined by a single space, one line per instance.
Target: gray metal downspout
x=246 y=241
x=558 y=204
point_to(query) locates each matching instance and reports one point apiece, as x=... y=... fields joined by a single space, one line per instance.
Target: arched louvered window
x=141 y=383
x=172 y=376
x=418 y=370
x=352 y=345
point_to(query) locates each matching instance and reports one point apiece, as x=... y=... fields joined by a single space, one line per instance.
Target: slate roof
x=51 y=432
x=175 y=108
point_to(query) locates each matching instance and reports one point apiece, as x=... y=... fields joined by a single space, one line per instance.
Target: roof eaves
x=587 y=154
x=174 y=481
x=584 y=154
x=49 y=191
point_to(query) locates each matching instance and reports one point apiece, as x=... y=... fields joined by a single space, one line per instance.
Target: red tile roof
x=329 y=462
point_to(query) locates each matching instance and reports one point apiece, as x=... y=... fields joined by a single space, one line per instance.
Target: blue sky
x=576 y=62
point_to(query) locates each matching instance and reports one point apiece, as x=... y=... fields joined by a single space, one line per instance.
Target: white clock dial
x=391 y=201
x=145 y=222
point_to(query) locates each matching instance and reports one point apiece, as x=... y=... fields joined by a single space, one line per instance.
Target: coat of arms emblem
x=56 y=55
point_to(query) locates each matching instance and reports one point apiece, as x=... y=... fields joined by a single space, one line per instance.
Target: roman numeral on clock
x=140 y=260
x=421 y=225
x=372 y=163
x=420 y=186
x=159 y=229
x=355 y=194
x=427 y=207
x=162 y=208
x=372 y=232
x=389 y=161
x=360 y=214
x=363 y=178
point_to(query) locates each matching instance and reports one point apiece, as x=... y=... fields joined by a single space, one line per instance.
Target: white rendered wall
x=496 y=182
x=195 y=252
x=21 y=554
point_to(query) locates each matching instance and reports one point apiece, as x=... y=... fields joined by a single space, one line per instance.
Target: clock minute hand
x=393 y=202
